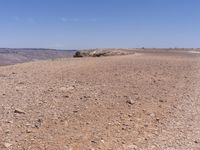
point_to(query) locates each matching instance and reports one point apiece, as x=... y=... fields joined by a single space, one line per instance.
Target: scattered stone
x=75 y=111
x=39 y=120
x=123 y=128
x=66 y=89
x=21 y=82
x=134 y=147
x=130 y=101
x=7 y=145
x=161 y=101
x=50 y=90
x=102 y=141
x=63 y=89
x=152 y=114
x=28 y=124
x=9 y=121
x=66 y=96
x=93 y=141
x=28 y=131
x=86 y=96
x=19 y=111
x=38 y=123
x=17 y=88
x=130 y=115
x=157 y=119
x=7 y=131
x=66 y=123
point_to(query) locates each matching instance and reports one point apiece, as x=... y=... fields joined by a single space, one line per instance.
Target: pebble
x=130 y=101
x=93 y=141
x=28 y=124
x=66 y=89
x=132 y=147
x=66 y=96
x=152 y=114
x=196 y=141
x=7 y=145
x=19 y=111
x=161 y=101
x=157 y=119
x=9 y=121
x=28 y=131
x=7 y=131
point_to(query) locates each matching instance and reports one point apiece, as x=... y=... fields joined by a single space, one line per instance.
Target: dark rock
x=130 y=101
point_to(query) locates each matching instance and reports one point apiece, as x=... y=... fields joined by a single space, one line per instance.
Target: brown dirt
x=140 y=101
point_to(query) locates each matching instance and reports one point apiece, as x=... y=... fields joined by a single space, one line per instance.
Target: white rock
x=7 y=145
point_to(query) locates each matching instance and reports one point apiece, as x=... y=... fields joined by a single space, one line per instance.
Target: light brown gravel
x=147 y=101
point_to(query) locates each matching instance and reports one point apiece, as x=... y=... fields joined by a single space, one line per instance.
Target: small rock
x=28 y=131
x=63 y=89
x=7 y=145
x=161 y=101
x=130 y=115
x=130 y=101
x=9 y=121
x=102 y=141
x=75 y=111
x=152 y=114
x=66 y=96
x=7 y=131
x=39 y=120
x=157 y=119
x=17 y=88
x=132 y=147
x=66 y=89
x=28 y=124
x=19 y=111
x=21 y=82
x=66 y=123
x=93 y=141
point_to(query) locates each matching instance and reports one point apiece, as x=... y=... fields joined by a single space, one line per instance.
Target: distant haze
x=13 y=56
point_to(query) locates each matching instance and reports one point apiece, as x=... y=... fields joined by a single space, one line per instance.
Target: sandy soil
x=145 y=101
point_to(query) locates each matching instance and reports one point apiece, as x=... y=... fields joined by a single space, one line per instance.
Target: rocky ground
x=143 y=101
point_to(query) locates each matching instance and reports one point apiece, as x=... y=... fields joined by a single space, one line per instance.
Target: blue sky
x=70 y=24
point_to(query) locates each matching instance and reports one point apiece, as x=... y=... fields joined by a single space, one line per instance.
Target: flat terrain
x=147 y=101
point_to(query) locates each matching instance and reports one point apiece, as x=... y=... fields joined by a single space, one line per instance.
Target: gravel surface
x=142 y=101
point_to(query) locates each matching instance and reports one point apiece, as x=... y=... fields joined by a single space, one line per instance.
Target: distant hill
x=10 y=56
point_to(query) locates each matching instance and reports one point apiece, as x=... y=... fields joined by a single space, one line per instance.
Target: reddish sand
x=140 y=101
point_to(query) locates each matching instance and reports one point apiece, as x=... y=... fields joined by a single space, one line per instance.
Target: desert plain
x=141 y=101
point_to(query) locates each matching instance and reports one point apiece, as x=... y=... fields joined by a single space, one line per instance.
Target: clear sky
x=70 y=24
